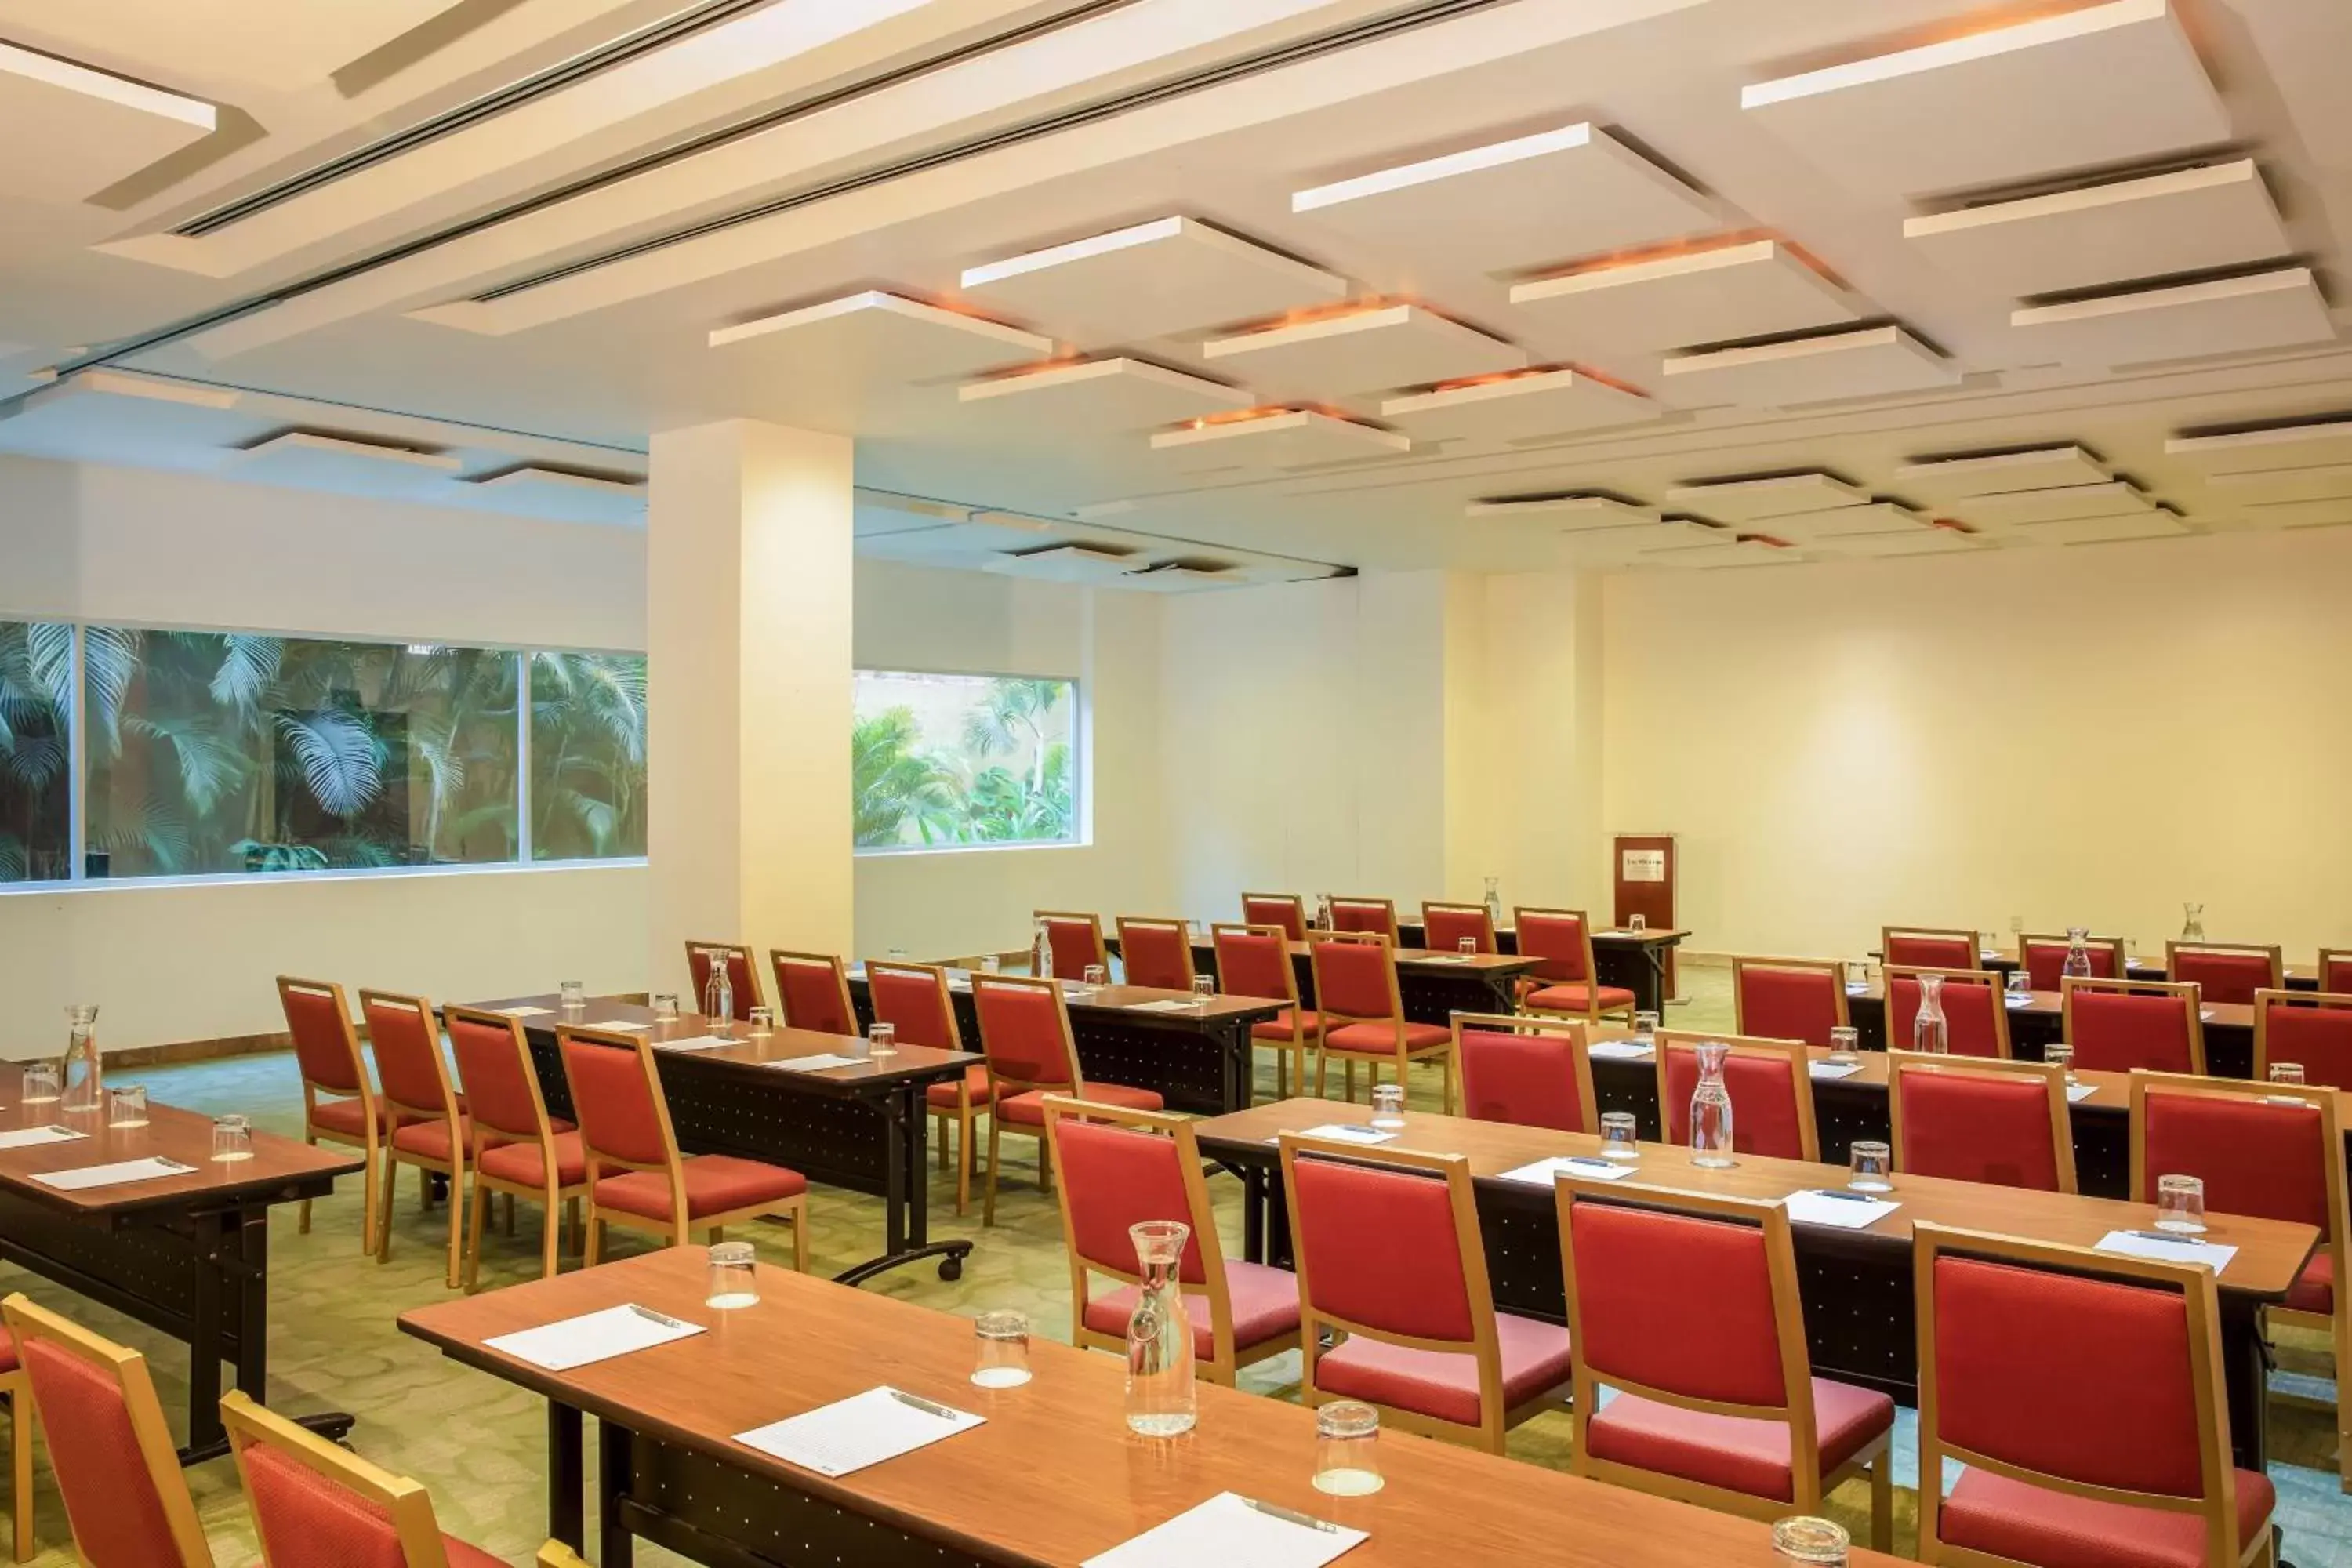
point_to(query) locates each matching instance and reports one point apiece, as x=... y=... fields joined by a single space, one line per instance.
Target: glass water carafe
x=2192 y=925
x=1710 y=1109
x=1322 y=911
x=2078 y=953
x=82 y=1072
x=1495 y=901
x=1161 y=1402
x=1041 y=952
x=718 y=989
x=1929 y=1032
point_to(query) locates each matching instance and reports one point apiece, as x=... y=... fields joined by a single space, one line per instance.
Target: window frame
x=1082 y=810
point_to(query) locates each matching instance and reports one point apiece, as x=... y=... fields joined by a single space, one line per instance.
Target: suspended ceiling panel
x=1558 y=195
x=1519 y=407
x=1907 y=542
x=1569 y=514
x=1846 y=522
x=1069 y=563
x=2045 y=468
x=1712 y=296
x=1718 y=554
x=353 y=468
x=1155 y=279
x=1870 y=362
x=2298 y=515
x=567 y=498
x=2227 y=315
x=2114 y=499
x=1634 y=542
x=1290 y=440
x=865 y=341
x=1746 y=500
x=2331 y=482
x=71 y=131
x=2105 y=530
x=2313 y=445
x=2100 y=85
x=2186 y=221
x=1097 y=397
x=1180 y=580
x=1363 y=351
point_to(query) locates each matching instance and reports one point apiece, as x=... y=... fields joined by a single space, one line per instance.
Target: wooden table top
x=1126 y=998
x=2271 y=1254
x=171 y=1133
x=2050 y=1004
x=1053 y=1476
x=1430 y=958
x=747 y=1049
x=2137 y=968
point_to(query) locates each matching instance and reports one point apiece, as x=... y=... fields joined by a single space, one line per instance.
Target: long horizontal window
x=942 y=761
x=35 y=751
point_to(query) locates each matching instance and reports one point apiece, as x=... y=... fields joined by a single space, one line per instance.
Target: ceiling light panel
x=873 y=340
x=2105 y=530
x=1155 y=279
x=1363 y=351
x=1870 y=362
x=75 y=130
x=1560 y=194
x=2228 y=315
x=316 y=461
x=1290 y=438
x=2186 y=221
x=1747 y=500
x=1715 y=295
x=555 y=494
x=1067 y=563
x=2331 y=482
x=2044 y=467
x=2307 y=446
x=2098 y=85
x=1568 y=514
x=2114 y=499
x=1519 y=407
x=1094 y=397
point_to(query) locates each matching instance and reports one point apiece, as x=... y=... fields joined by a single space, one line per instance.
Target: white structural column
x=750 y=671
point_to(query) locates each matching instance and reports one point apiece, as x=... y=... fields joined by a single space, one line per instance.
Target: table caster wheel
x=950 y=1268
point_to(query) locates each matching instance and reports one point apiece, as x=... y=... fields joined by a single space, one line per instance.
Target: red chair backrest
x=1789 y=1004
x=1115 y=1177
x=1557 y=939
x=1930 y=952
x=810 y=993
x=1249 y=963
x=743 y=997
x=1642 y=1317
x=612 y=1103
x=1764 y=1115
x=1020 y=1033
x=2336 y=975
x=2045 y=963
x=1363 y=914
x=1442 y=929
x=408 y=1066
x=2229 y=977
x=306 y=1520
x=1269 y=910
x=496 y=1070
x=1352 y=978
x=2256 y=1156
x=1077 y=945
x=1970 y=1011
x=2116 y=1031
x=1156 y=954
x=1379 y=1247
x=111 y=1498
x=323 y=1039
x=1974 y=1127
x=1529 y=1079
x=2318 y=1038
x=910 y=1002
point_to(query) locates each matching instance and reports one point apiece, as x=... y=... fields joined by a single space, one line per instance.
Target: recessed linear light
x=119 y=90
x=1568 y=138
x=2040 y=468
x=2306 y=446
x=1781 y=495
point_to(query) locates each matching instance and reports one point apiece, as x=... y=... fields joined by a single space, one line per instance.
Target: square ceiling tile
x=1362 y=351
x=1746 y=500
x=1090 y=397
x=1172 y=276
x=1568 y=514
x=2314 y=444
x=2227 y=315
x=874 y=339
x=1868 y=363
x=2043 y=468
x=1286 y=438
x=2116 y=497
x=1713 y=295
x=1519 y=407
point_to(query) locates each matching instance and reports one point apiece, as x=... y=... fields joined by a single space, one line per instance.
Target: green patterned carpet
x=478 y=1444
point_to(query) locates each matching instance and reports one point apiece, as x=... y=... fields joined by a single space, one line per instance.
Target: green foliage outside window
x=944 y=759
x=35 y=751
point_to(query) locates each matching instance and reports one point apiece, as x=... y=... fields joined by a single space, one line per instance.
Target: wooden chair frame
x=397 y=1115
x=1002 y=1087
x=1094 y=924
x=1887 y=935
x=1594 y=1012
x=2217 y=1507
x=1985 y=977
x=1833 y=968
x=406 y=1502
x=965 y=1116
x=2185 y=989
x=1486 y=942
x=2174 y=948
x=1398 y=1052
x=552 y=1194
x=2328 y=958
x=128 y=1369
x=2336 y=1325
x=555 y=1554
x=1298 y=907
x=2052 y=1079
x=778 y=957
x=1808 y=1486
x=1183 y=929
x=1224 y=1361
x=2266 y=999
x=2113 y=945
x=1387 y=931
x=16 y=1390
x=372 y=1139
x=1796 y=1053
x=1289 y=1061
x=1571 y=1031
x=678 y=1230
x=1495 y=1421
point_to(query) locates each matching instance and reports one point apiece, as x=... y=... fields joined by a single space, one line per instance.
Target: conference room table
x=862 y=1126
x=1050 y=1477
x=2040 y=1020
x=186 y=1252
x=1633 y=960
x=2292 y=976
x=1432 y=986
x=1194 y=1053
x=1856 y=1284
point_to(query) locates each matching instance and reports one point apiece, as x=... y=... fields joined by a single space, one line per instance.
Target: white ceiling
x=1624 y=195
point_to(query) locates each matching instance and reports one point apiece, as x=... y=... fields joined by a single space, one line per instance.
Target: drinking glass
x=1637 y=923
x=1857 y=973
x=2060 y=1055
x=734 y=1276
x=1846 y=1043
x=2180 y=1205
x=1003 y=1340
x=126 y=1105
x=1819 y=1541
x=1096 y=977
x=2018 y=983
x=574 y=993
x=1617 y=1136
x=1468 y=945
x=2286 y=1072
x=1346 y=1450
x=40 y=1084
x=882 y=1040
x=665 y=1006
x=1646 y=1026
x=1204 y=990
x=232 y=1139
x=990 y=964
x=1874 y=1166
x=762 y=1021
x=1387 y=1105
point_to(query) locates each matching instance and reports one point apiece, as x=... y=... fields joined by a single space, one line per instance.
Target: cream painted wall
x=2087 y=736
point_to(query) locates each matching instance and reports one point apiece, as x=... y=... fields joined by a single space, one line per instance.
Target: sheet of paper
x=1852 y=989
x=1163 y=1004
x=618 y=1024
x=1621 y=1051
x=693 y=1043
x=2078 y=1092
x=1846 y=1213
x=29 y=1137
x=1832 y=1071
x=2017 y=998
x=114 y=1175
x=817 y=1063
x=1349 y=1134
x=525 y=1012
x=1230 y=1528
x=2213 y=1255
x=1541 y=1173
x=1444 y=958
x=864 y=1429
x=594 y=1337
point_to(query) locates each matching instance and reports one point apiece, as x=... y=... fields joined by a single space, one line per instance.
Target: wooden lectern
x=1643 y=874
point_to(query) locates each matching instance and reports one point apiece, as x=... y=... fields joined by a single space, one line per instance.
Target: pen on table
x=1597 y=1163
x=1849 y=1198
x=920 y=1403
x=1276 y=1512
x=651 y=1316
x=2167 y=1240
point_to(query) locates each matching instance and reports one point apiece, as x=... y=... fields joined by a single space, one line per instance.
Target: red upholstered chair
x=1255 y=960
x=2043 y=959
x=1363 y=1013
x=1156 y=953
x=742 y=977
x=1771 y=1085
x=1390 y=1259
x=625 y=1127
x=1025 y=1033
x=2336 y=970
x=1565 y=983
x=339 y=1104
x=1976 y=1019
x=2312 y=1029
x=1716 y=1399
x=1927 y=947
x=1287 y=911
x=425 y=1121
x=126 y=1497
x=916 y=1000
x=1076 y=942
x=2229 y=972
x=2000 y=1123
x=1120 y=1168
x=2061 y=1467
x=1526 y=1071
x=516 y=1148
x=2119 y=1026
x=1788 y=998
x=812 y=993
x=1375 y=915
x=2270 y=1150
x=1444 y=927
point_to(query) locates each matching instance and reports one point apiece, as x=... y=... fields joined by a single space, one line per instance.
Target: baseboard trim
x=244 y=1045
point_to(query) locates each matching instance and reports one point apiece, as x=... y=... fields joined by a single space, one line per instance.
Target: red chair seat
x=1264 y=1302
x=2054 y=1530
x=1279 y=1028
x=346 y=1116
x=1379 y=1039
x=1572 y=998
x=2315 y=1289
x=1029 y=1110
x=1733 y=1452
x=429 y=1139
x=1444 y=1384
x=942 y=1096
x=520 y=1163
x=715 y=1184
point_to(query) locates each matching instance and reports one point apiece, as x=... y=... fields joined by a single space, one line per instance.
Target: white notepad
x=865 y=1429
x=2016 y=998
x=2078 y=1092
x=1346 y=1133
x=29 y=1137
x=1233 y=1530
x=1831 y=1071
x=818 y=1063
x=594 y=1337
x=153 y=1168
x=1541 y=1173
x=1809 y=1208
x=2213 y=1255
x=1445 y=958
x=1853 y=990
x=1164 y=1004
x=525 y=1012
x=693 y=1043
x=617 y=1024
x=1622 y=1050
